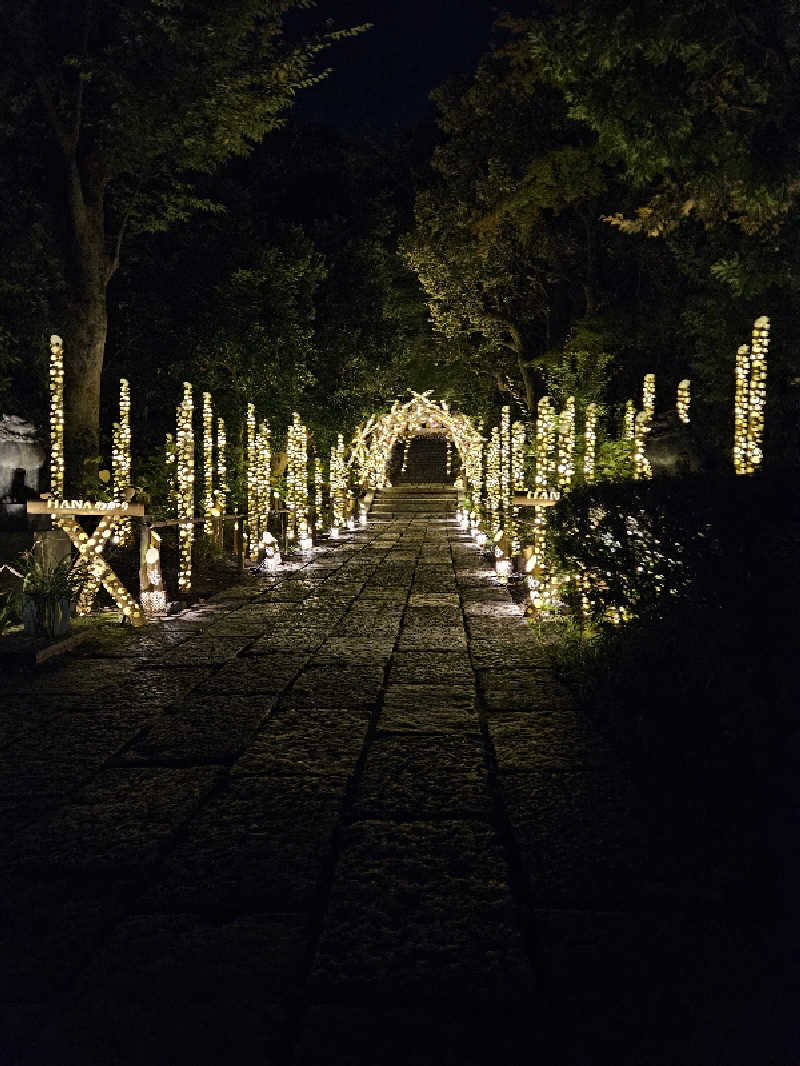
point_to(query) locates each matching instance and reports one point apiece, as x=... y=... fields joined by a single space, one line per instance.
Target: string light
x=493 y=480
x=683 y=400
x=184 y=449
x=222 y=469
x=629 y=430
x=121 y=459
x=252 y=480
x=590 y=443
x=262 y=479
x=208 y=463
x=642 y=425
x=449 y=460
x=757 y=395
x=57 y=416
x=338 y=483
x=297 y=483
x=566 y=445
x=319 y=484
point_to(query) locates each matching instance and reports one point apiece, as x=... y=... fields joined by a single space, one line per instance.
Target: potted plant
x=47 y=595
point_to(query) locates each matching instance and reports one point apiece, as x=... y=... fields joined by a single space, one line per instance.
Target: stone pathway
x=344 y=816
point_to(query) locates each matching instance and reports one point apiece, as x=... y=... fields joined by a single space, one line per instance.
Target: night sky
x=382 y=79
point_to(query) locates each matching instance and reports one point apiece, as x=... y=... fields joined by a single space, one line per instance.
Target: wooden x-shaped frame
x=90 y=548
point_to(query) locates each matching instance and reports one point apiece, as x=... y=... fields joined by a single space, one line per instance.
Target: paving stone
x=179 y=989
x=205 y=650
x=432 y=617
x=518 y=690
x=123 y=819
x=436 y=776
x=158 y=687
x=429 y=709
x=354 y=651
x=289 y=638
x=270 y=672
x=327 y=685
x=431 y=668
x=320 y=742
x=261 y=843
x=215 y=729
x=448 y=639
x=420 y=909
x=63 y=754
x=559 y=739
x=581 y=835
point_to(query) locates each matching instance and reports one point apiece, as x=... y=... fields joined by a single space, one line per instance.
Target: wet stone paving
x=344 y=814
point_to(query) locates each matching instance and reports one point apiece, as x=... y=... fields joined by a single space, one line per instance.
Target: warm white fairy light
x=545 y=440
x=121 y=459
x=684 y=399
x=184 y=449
x=222 y=468
x=590 y=443
x=406 y=446
x=642 y=425
x=449 y=460
x=208 y=463
x=262 y=479
x=741 y=409
x=56 y=416
x=338 y=486
x=518 y=456
x=372 y=444
x=493 y=480
x=319 y=485
x=629 y=429
x=297 y=480
x=757 y=395
x=252 y=480
x=566 y=445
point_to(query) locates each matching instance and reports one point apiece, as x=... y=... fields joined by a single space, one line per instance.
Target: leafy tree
x=137 y=99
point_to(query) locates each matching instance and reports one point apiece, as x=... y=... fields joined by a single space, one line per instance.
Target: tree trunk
x=90 y=269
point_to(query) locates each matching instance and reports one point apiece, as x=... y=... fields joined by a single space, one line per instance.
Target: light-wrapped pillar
x=184 y=448
x=208 y=464
x=590 y=443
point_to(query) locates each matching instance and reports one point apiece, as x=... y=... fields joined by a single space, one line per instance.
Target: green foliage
x=10 y=609
x=647 y=544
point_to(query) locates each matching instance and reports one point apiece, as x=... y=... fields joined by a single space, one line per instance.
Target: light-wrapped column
x=222 y=468
x=297 y=482
x=741 y=409
x=590 y=443
x=252 y=480
x=566 y=445
x=57 y=416
x=338 y=483
x=641 y=428
x=684 y=400
x=184 y=448
x=319 y=485
x=757 y=395
x=493 y=482
x=263 y=480
x=629 y=427
x=208 y=464
x=121 y=459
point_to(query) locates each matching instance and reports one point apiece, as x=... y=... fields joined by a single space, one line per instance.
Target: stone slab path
x=344 y=815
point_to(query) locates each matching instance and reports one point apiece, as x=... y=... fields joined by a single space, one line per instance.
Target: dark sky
x=382 y=78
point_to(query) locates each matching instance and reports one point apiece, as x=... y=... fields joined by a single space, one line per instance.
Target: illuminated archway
x=373 y=442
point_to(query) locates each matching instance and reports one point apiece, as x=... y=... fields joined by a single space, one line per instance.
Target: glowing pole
x=184 y=448
x=683 y=400
x=758 y=393
x=590 y=443
x=222 y=469
x=642 y=425
x=297 y=483
x=319 y=484
x=493 y=482
x=741 y=409
x=566 y=445
x=252 y=480
x=208 y=463
x=629 y=431
x=121 y=459
x=263 y=479
x=57 y=416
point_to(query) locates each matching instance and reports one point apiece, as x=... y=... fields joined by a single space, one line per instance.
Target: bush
x=721 y=542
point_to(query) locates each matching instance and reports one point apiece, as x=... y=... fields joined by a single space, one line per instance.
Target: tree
x=139 y=99
x=505 y=243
